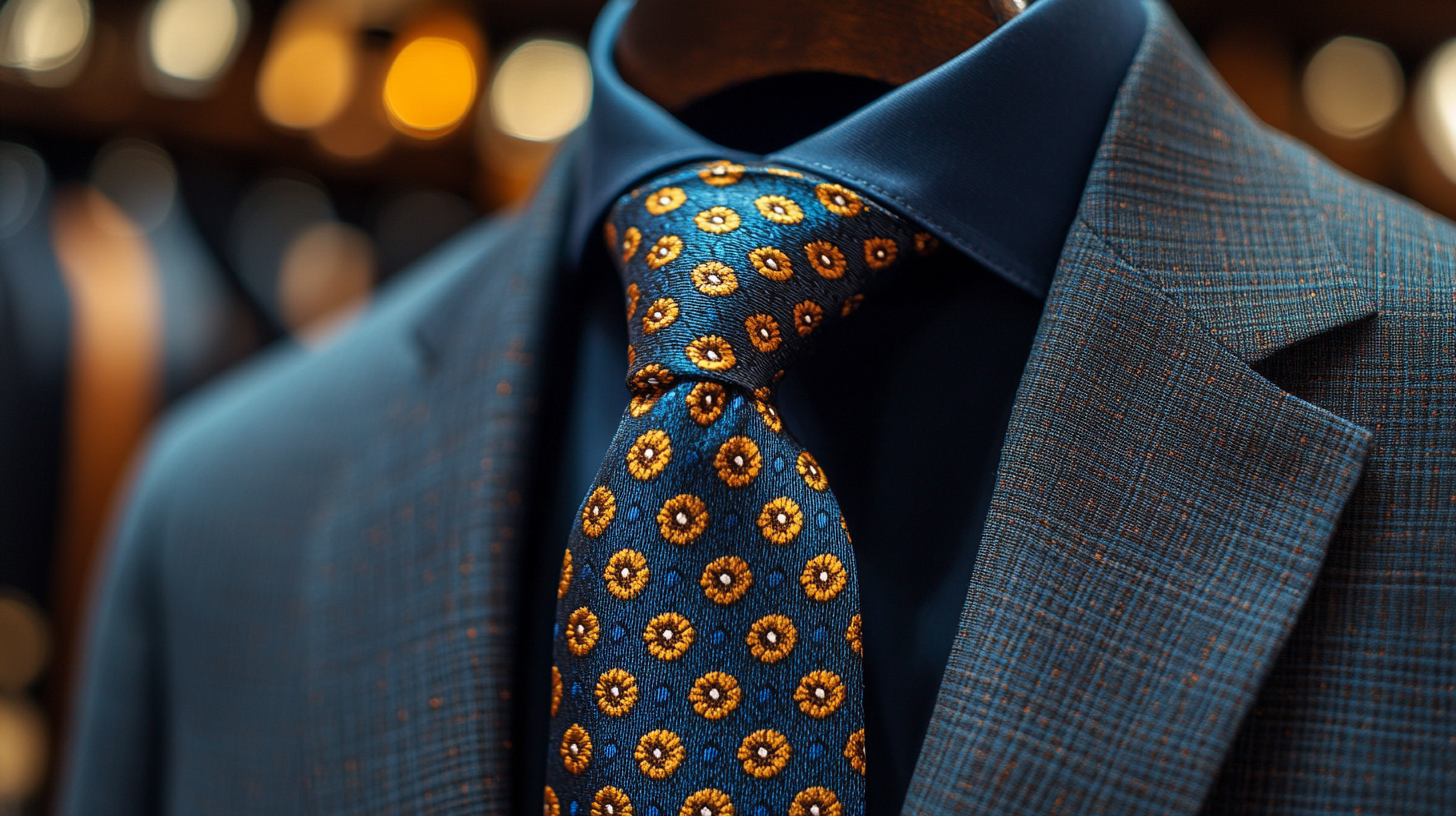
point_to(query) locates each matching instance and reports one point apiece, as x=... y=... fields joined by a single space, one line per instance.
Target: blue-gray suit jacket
x=1218 y=575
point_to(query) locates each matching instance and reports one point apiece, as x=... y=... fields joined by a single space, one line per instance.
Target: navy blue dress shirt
x=906 y=404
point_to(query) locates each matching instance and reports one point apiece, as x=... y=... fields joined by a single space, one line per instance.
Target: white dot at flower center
x=879 y=253
x=713 y=693
x=824 y=259
x=611 y=809
x=626 y=572
x=657 y=752
x=662 y=251
x=648 y=453
x=725 y=579
x=596 y=510
x=819 y=692
x=783 y=519
x=667 y=634
x=664 y=200
x=580 y=629
x=778 y=208
x=657 y=315
x=823 y=576
x=773 y=637
x=838 y=199
x=763 y=332
x=763 y=752
x=574 y=748
x=738 y=460
x=712 y=355
x=681 y=518
x=717 y=219
x=705 y=812
x=714 y=279
x=771 y=263
x=718 y=171
x=616 y=692
x=808 y=318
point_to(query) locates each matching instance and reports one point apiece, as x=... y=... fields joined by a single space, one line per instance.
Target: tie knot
x=731 y=269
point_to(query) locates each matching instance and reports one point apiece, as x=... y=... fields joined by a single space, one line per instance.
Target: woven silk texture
x=707 y=646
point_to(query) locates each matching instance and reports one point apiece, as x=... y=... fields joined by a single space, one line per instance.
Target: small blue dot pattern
x=707 y=648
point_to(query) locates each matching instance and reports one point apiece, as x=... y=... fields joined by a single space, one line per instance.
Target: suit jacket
x=1218 y=573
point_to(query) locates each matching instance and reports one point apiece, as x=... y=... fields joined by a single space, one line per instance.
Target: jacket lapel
x=1161 y=509
x=412 y=597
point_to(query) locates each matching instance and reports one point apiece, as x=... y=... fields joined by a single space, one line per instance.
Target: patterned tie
x=707 y=644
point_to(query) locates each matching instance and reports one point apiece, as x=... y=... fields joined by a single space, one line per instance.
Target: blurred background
x=184 y=183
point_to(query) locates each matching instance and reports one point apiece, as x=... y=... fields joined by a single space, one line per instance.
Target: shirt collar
x=990 y=151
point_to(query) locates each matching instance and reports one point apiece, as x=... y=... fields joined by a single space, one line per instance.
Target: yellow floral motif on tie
x=824 y=577
x=706 y=403
x=779 y=209
x=771 y=263
x=738 y=461
x=631 y=239
x=682 y=518
x=576 y=749
x=660 y=315
x=556 y=690
x=649 y=455
x=659 y=753
x=616 y=692
x=717 y=220
x=820 y=693
x=714 y=278
x=781 y=520
x=664 y=252
x=815 y=801
x=810 y=471
x=582 y=631
x=763 y=332
x=665 y=200
x=552 y=804
x=826 y=259
x=626 y=574
x=610 y=801
x=707 y=802
x=721 y=173
x=725 y=580
x=854 y=751
x=839 y=200
x=564 y=583
x=771 y=638
x=854 y=635
x=711 y=353
x=807 y=317
x=600 y=508
x=879 y=253
x=764 y=753
x=668 y=636
x=715 y=695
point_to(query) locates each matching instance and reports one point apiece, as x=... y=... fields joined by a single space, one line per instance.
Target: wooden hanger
x=677 y=51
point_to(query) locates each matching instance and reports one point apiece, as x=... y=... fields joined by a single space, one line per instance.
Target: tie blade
x=707 y=647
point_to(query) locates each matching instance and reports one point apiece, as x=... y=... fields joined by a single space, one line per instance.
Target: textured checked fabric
x=708 y=631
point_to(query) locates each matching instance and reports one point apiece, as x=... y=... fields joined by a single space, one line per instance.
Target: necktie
x=707 y=645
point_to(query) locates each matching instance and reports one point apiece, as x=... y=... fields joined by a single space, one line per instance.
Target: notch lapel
x=1161 y=510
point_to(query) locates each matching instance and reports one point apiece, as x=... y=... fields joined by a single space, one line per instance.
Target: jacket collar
x=1161 y=509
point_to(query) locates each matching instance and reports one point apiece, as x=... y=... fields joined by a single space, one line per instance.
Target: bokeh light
x=24 y=643
x=139 y=178
x=44 y=37
x=430 y=86
x=309 y=69
x=23 y=749
x=542 y=90
x=1435 y=107
x=193 y=41
x=326 y=276
x=23 y=184
x=1353 y=87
